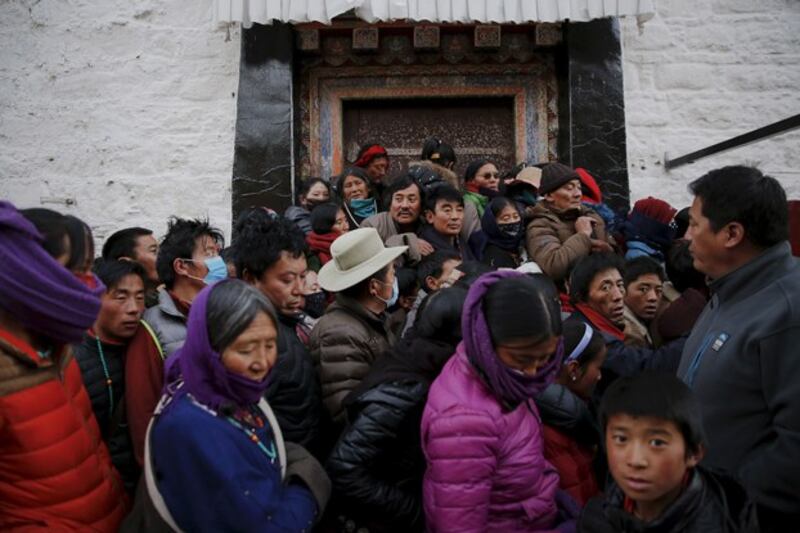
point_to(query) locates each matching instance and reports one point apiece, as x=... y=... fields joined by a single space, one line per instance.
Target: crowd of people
x=422 y=352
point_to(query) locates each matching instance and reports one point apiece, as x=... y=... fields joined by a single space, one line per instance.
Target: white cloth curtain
x=467 y=11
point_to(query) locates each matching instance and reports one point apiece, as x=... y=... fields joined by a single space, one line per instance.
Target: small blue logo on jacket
x=723 y=337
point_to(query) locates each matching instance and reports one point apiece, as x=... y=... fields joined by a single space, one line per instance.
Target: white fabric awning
x=466 y=11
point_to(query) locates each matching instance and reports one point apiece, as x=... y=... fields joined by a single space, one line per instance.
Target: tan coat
x=344 y=344
x=636 y=332
x=554 y=244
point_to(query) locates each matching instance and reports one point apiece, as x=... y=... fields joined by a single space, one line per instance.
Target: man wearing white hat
x=353 y=332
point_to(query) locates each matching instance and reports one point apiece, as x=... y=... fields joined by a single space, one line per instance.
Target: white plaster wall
x=701 y=72
x=121 y=112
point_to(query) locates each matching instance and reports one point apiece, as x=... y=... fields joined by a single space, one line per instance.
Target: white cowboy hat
x=355 y=256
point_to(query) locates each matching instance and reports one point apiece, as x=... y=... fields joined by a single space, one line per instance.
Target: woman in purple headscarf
x=481 y=431
x=215 y=459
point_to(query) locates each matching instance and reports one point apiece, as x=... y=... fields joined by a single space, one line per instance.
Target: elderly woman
x=562 y=230
x=215 y=453
x=481 y=431
x=353 y=331
x=358 y=199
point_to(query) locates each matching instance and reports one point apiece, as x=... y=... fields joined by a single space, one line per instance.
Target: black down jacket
x=294 y=391
x=712 y=502
x=113 y=426
x=377 y=465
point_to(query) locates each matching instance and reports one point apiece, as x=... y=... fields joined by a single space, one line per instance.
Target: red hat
x=656 y=209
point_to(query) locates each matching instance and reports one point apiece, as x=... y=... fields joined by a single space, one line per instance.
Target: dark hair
x=81 y=250
x=306 y=184
x=680 y=268
x=573 y=334
x=442 y=192
x=640 y=266
x=359 y=290
x=433 y=265
x=681 y=220
x=521 y=307
x=473 y=168
x=260 y=242
x=53 y=227
x=404 y=181
x=580 y=279
x=659 y=395
x=439 y=315
x=323 y=217
x=472 y=270
x=435 y=150
x=744 y=195
x=111 y=271
x=179 y=243
x=498 y=203
x=122 y=243
x=232 y=307
x=407 y=284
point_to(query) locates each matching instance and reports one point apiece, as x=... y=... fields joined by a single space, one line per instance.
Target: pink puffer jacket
x=486 y=467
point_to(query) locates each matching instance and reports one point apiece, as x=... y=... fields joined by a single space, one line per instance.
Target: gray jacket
x=167 y=322
x=742 y=360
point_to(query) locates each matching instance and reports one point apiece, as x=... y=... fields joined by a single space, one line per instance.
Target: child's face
x=648 y=459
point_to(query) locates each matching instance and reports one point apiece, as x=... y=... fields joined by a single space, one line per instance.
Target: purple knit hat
x=509 y=386
x=200 y=367
x=35 y=289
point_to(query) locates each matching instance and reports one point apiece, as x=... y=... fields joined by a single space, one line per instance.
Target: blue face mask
x=395 y=294
x=217 y=270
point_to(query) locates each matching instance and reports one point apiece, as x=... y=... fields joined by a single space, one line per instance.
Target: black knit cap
x=554 y=175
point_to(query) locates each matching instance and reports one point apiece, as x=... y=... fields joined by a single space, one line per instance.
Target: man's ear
x=734 y=234
x=248 y=277
x=428 y=216
x=179 y=266
x=432 y=284
x=696 y=456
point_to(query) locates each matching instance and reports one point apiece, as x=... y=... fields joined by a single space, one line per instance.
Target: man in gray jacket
x=742 y=358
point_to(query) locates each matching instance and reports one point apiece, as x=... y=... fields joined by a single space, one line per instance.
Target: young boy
x=654 y=442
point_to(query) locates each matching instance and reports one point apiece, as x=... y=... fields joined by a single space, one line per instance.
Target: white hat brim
x=334 y=280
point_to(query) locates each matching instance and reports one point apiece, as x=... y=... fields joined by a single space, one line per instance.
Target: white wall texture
x=124 y=107
x=701 y=72
x=122 y=112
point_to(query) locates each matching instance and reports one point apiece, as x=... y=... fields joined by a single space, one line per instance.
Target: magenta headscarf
x=35 y=289
x=200 y=367
x=507 y=385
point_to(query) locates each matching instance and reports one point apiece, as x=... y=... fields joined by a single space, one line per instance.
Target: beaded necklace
x=109 y=382
x=251 y=434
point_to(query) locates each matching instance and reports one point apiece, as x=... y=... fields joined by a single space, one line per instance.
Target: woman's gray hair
x=232 y=306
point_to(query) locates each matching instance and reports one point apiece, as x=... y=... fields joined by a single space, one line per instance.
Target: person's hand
x=424 y=247
x=584 y=225
x=599 y=246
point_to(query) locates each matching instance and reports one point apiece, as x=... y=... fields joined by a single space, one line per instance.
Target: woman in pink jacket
x=481 y=431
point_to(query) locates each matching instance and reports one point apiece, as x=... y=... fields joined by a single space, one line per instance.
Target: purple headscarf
x=507 y=385
x=35 y=289
x=200 y=367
